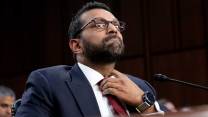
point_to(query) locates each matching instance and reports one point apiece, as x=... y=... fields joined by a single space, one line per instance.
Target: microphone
x=163 y=78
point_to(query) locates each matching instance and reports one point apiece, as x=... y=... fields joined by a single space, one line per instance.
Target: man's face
x=5 y=106
x=101 y=45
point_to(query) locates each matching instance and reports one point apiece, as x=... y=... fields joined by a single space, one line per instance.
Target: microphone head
x=160 y=77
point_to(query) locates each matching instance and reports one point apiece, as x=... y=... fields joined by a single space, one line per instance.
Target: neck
x=105 y=69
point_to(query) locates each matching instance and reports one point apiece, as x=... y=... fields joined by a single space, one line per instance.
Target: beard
x=108 y=51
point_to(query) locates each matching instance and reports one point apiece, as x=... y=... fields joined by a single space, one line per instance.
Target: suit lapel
x=83 y=93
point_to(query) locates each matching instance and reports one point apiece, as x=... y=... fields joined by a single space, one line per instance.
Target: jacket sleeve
x=144 y=85
x=37 y=98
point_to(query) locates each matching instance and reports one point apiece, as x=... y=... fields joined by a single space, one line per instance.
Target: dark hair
x=76 y=24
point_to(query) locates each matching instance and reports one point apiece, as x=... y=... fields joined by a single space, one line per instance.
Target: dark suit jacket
x=63 y=91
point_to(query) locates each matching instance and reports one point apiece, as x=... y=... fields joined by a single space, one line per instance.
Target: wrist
x=148 y=100
x=138 y=100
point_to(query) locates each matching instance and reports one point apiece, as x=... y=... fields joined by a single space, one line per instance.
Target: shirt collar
x=92 y=75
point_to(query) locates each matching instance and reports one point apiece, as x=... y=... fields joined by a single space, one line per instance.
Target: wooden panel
x=191 y=23
x=16 y=83
x=132 y=66
x=161 y=31
x=133 y=36
x=189 y=66
x=21 y=37
x=53 y=39
x=205 y=18
x=34 y=35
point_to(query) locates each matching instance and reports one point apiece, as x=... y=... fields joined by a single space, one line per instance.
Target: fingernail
x=104 y=92
x=112 y=77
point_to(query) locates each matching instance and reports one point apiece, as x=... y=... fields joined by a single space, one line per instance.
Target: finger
x=111 y=85
x=110 y=79
x=116 y=73
x=107 y=91
x=111 y=91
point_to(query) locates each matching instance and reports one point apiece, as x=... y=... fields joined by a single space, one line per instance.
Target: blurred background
x=162 y=36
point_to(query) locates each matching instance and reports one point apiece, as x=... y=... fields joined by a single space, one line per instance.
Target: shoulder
x=54 y=69
x=50 y=73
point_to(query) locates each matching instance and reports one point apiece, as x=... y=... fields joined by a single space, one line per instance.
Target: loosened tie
x=116 y=105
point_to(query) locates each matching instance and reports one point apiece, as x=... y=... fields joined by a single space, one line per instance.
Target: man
x=83 y=90
x=7 y=98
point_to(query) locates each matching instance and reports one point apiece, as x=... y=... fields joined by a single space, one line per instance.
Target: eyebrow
x=114 y=19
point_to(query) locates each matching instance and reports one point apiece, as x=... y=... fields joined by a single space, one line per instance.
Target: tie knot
x=117 y=106
x=99 y=83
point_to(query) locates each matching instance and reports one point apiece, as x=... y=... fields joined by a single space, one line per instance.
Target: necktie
x=116 y=105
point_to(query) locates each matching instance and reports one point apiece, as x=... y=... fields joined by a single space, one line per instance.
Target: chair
x=15 y=106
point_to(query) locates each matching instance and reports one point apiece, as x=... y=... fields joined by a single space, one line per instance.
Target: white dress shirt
x=94 y=77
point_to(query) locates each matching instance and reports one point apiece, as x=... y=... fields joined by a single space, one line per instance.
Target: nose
x=111 y=28
x=9 y=111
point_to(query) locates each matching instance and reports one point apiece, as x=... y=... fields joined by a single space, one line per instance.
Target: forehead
x=6 y=100
x=94 y=13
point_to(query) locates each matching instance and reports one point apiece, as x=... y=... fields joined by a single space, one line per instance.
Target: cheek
x=93 y=36
x=120 y=35
x=1 y=111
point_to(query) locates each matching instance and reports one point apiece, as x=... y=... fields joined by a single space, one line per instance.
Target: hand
x=119 y=85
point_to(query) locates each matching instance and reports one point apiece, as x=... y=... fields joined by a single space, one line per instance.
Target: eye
x=101 y=25
x=116 y=24
x=4 y=105
x=119 y=25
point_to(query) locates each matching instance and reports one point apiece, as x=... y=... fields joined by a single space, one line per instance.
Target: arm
x=37 y=99
x=129 y=91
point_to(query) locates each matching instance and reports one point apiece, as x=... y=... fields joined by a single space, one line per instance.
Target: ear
x=75 y=46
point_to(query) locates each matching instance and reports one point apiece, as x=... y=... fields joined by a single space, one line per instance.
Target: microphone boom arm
x=162 y=78
x=189 y=84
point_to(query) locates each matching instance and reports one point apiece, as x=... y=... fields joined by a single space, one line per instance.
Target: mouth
x=114 y=44
x=113 y=39
x=110 y=37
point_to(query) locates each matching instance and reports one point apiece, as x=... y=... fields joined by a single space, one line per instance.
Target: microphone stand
x=160 y=77
x=189 y=84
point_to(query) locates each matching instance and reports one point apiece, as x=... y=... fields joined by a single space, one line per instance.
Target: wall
x=163 y=36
